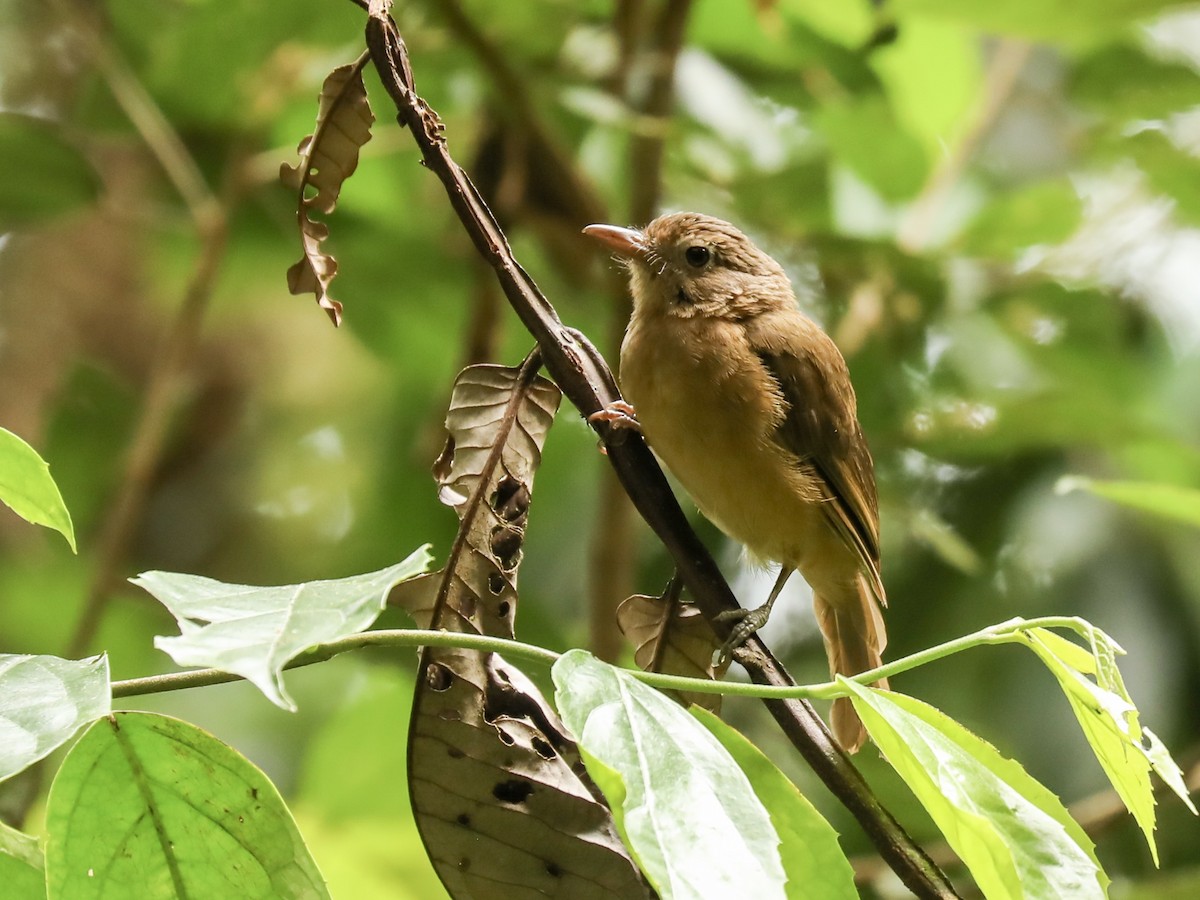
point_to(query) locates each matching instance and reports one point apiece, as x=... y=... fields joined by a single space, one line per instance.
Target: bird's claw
x=617 y=414
x=745 y=623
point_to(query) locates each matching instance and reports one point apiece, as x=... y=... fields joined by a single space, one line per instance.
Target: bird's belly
x=713 y=428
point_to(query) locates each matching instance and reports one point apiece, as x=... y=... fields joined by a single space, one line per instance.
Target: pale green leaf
x=255 y=631
x=1014 y=835
x=21 y=866
x=815 y=865
x=1109 y=720
x=27 y=488
x=1170 y=501
x=1044 y=213
x=682 y=805
x=1064 y=20
x=149 y=806
x=863 y=134
x=44 y=700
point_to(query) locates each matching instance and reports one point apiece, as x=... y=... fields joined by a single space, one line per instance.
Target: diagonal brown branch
x=583 y=376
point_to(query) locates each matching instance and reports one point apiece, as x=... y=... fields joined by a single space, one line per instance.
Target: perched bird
x=749 y=403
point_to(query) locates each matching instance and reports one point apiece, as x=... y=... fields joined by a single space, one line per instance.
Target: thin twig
x=582 y=375
x=1005 y=67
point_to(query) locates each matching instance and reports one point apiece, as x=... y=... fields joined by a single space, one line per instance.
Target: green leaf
x=1063 y=21
x=682 y=805
x=255 y=631
x=1170 y=170
x=1121 y=83
x=1013 y=834
x=21 y=866
x=815 y=865
x=149 y=806
x=1043 y=213
x=43 y=701
x=26 y=486
x=863 y=134
x=45 y=175
x=1109 y=719
x=1170 y=501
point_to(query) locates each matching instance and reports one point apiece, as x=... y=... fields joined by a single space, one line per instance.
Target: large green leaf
x=1121 y=82
x=148 y=806
x=1043 y=213
x=816 y=867
x=44 y=175
x=1170 y=501
x=1013 y=834
x=21 y=866
x=26 y=486
x=863 y=134
x=43 y=701
x=685 y=809
x=254 y=631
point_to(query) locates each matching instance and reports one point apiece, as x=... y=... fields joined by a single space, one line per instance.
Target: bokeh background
x=993 y=208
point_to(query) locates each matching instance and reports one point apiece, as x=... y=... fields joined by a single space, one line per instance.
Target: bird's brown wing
x=820 y=428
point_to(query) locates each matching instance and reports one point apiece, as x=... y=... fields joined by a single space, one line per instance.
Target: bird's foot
x=617 y=414
x=745 y=622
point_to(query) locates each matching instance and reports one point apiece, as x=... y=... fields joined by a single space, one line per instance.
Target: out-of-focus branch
x=583 y=376
x=1006 y=64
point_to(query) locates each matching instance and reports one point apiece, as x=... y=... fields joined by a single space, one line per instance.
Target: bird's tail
x=852 y=625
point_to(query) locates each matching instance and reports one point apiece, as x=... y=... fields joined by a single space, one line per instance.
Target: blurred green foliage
x=990 y=209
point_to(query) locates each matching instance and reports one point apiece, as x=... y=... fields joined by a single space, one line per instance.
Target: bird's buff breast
x=709 y=410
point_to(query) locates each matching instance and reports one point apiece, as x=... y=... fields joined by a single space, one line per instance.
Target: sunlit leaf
x=1170 y=501
x=27 y=488
x=255 y=631
x=148 y=806
x=1014 y=835
x=43 y=701
x=815 y=865
x=21 y=866
x=697 y=829
x=1121 y=82
x=1109 y=720
x=328 y=157
x=890 y=160
x=1170 y=170
x=45 y=175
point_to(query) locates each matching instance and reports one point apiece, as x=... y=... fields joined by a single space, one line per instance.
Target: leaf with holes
x=149 y=806
x=493 y=775
x=255 y=631
x=44 y=700
x=328 y=157
x=673 y=638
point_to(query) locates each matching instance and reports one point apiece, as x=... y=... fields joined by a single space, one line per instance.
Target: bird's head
x=687 y=264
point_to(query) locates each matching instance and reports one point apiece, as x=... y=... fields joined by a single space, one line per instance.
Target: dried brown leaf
x=328 y=157
x=499 y=795
x=672 y=638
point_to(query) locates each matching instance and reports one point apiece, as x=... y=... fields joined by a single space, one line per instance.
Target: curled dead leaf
x=328 y=157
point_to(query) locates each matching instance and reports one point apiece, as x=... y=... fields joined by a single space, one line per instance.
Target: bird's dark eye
x=697 y=256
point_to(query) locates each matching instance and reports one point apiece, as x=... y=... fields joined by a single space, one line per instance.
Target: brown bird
x=749 y=404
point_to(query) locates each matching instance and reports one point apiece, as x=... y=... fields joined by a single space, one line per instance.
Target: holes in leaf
x=496 y=583
x=515 y=790
x=438 y=677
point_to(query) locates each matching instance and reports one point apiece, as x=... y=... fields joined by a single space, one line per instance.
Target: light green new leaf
x=1064 y=21
x=1109 y=720
x=1171 y=501
x=1013 y=834
x=149 y=806
x=27 y=488
x=255 y=631
x=816 y=867
x=682 y=805
x=21 y=866
x=43 y=701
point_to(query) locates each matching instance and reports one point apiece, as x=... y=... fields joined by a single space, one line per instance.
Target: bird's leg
x=749 y=621
x=617 y=414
